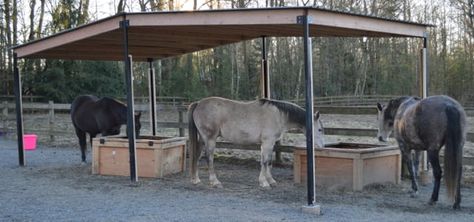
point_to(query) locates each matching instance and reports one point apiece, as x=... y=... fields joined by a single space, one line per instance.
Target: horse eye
x=390 y=124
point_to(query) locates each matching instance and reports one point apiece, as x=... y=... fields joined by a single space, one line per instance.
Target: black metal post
x=424 y=93
x=130 y=109
x=19 y=110
x=265 y=75
x=425 y=66
x=308 y=68
x=152 y=97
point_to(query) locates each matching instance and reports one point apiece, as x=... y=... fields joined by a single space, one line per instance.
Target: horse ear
x=316 y=115
x=379 y=106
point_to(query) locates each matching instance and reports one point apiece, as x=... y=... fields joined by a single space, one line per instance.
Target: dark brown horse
x=92 y=115
x=428 y=124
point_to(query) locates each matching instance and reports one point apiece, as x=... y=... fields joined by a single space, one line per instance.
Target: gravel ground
x=54 y=186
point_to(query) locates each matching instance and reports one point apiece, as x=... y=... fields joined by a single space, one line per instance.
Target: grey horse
x=428 y=124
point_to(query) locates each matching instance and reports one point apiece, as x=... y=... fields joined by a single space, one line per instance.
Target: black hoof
x=457 y=207
x=414 y=194
x=432 y=202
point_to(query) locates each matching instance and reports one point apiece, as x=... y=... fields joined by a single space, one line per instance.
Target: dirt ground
x=54 y=186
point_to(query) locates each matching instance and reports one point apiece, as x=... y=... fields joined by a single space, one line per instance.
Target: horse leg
x=194 y=173
x=92 y=136
x=211 y=145
x=433 y=155
x=408 y=160
x=265 y=178
x=81 y=135
x=416 y=162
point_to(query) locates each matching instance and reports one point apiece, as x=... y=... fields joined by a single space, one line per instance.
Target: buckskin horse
x=262 y=121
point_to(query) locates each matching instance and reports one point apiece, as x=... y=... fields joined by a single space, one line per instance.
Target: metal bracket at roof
x=125 y=23
x=300 y=19
x=425 y=40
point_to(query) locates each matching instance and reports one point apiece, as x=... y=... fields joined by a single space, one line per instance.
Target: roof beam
x=66 y=37
x=222 y=17
x=163 y=34
x=367 y=24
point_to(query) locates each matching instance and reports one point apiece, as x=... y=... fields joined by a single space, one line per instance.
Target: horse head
x=386 y=116
x=138 y=125
x=318 y=130
x=385 y=123
x=318 y=137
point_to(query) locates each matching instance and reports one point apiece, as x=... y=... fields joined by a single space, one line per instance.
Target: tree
x=8 y=34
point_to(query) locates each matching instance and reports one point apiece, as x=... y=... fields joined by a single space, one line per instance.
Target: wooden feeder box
x=350 y=165
x=156 y=156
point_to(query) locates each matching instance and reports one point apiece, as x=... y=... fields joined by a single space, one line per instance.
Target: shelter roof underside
x=167 y=34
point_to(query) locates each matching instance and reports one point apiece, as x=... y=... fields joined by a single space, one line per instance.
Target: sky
x=105 y=8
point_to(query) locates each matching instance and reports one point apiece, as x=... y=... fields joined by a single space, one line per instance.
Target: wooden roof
x=165 y=34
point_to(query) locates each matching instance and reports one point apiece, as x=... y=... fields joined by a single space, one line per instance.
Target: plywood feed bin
x=350 y=165
x=156 y=156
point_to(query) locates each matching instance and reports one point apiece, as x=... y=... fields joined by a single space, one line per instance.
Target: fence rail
x=181 y=125
x=51 y=108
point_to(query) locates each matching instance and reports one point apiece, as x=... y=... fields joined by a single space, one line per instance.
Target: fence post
x=181 y=130
x=51 y=120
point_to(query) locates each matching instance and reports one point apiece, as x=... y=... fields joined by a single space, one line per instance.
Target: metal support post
x=130 y=103
x=308 y=68
x=152 y=96
x=19 y=110
x=265 y=76
x=424 y=78
x=424 y=89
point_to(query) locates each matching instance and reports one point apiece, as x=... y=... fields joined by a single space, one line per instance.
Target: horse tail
x=453 y=151
x=193 y=140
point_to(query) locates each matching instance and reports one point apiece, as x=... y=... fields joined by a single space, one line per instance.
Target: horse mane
x=393 y=106
x=295 y=113
x=105 y=98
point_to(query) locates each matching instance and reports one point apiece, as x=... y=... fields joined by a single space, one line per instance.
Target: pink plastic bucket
x=29 y=141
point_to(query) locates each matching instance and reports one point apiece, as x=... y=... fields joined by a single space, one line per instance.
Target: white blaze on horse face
x=384 y=127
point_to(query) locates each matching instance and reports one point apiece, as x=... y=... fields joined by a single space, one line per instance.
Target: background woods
x=342 y=66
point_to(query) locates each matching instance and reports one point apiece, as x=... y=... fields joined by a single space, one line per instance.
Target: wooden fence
x=364 y=100
x=51 y=108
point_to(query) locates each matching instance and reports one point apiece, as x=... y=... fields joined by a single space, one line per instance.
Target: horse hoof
x=432 y=202
x=265 y=185
x=195 y=181
x=83 y=163
x=457 y=207
x=272 y=182
x=414 y=194
x=217 y=185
